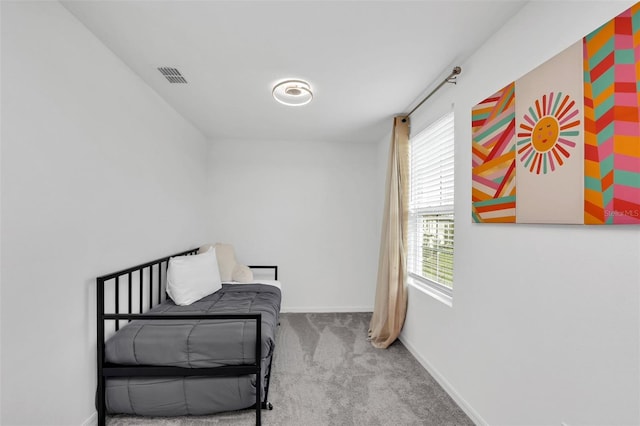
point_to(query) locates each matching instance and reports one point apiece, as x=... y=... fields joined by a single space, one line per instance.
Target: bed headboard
x=136 y=289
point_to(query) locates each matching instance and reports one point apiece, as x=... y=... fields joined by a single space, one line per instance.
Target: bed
x=157 y=358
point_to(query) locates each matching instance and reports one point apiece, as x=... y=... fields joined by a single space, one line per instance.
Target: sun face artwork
x=574 y=157
x=549 y=109
x=546 y=133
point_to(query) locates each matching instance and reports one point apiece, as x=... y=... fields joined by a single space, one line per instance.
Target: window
x=431 y=232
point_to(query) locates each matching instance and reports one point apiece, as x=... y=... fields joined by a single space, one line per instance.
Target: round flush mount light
x=292 y=92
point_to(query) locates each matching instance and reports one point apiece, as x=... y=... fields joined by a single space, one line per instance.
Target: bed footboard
x=136 y=290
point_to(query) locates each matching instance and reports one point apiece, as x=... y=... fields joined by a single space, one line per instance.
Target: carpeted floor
x=325 y=372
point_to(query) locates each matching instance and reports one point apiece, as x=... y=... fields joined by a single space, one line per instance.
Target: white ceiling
x=366 y=60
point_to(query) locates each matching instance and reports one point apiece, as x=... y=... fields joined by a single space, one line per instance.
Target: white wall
x=545 y=321
x=98 y=173
x=309 y=207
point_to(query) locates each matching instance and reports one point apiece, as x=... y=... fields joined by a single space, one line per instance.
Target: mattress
x=181 y=396
x=274 y=283
x=194 y=344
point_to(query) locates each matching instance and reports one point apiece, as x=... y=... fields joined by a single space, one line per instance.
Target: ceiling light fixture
x=292 y=92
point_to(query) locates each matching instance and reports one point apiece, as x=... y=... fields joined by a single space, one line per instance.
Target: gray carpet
x=325 y=372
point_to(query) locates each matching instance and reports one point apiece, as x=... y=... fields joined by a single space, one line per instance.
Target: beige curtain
x=391 y=293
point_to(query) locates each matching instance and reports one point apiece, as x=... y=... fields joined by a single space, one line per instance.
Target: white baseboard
x=91 y=421
x=466 y=407
x=325 y=309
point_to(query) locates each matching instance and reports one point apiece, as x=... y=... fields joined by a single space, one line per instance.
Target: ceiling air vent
x=172 y=74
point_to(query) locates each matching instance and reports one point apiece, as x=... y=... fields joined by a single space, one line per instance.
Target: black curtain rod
x=451 y=78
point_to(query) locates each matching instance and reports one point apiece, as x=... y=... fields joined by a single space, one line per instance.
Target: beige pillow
x=226 y=260
x=226 y=256
x=242 y=274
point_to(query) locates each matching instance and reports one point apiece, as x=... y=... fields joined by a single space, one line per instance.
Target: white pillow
x=190 y=278
x=205 y=248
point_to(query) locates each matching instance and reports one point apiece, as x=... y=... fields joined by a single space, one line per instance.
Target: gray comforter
x=204 y=343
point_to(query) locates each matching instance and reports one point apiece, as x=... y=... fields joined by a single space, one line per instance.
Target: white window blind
x=431 y=226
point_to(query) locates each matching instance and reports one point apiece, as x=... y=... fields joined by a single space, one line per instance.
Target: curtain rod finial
x=456 y=70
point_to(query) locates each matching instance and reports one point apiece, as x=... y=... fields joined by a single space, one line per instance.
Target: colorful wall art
x=493 y=157
x=612 y=132
x=562 y=143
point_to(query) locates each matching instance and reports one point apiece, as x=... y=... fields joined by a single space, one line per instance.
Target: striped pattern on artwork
x=612 y=121
x=493 y=158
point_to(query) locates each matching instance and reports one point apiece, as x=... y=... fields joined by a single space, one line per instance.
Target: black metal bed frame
x=105 y=369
